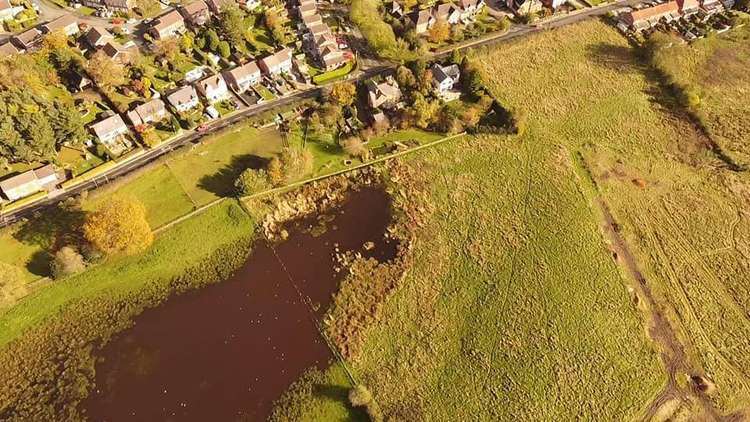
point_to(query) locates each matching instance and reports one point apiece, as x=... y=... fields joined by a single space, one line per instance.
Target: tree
x=275 y=171
x=67 y=261
x=224 y=50
x=405 y=77
x=440 y=31
x=456 y=57
x=354 y=147
x=360 y=396
x=12 y=284
x=251 y=181
x=106 y=72
x=119 y=226
x=232 y=24
x=296 y=162
x=168 y=48
x=343 y=93
x=212 y=40
x=186 y=42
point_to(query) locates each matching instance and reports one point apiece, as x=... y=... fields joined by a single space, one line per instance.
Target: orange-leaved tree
x=119 y=226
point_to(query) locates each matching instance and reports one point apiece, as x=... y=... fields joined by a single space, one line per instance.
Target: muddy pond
x=227 y=351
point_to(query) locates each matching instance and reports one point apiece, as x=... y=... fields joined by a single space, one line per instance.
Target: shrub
x=251 y=181
x=354 y=147
x=67 y=261
x=360 y=396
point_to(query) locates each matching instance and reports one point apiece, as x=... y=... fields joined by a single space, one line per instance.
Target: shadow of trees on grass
x=221 y=183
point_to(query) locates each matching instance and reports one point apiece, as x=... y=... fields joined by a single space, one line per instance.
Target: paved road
x=192 y=136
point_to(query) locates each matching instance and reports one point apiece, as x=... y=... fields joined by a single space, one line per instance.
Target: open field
x=513 y=308
x=676 y=204
x=716 y=69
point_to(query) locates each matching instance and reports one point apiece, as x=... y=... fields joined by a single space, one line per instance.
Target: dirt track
x=660 y=330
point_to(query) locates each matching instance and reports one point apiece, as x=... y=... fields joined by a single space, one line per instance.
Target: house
x=29 y=182
x=320 y=29
x=688 y=7
x=385 y=94
x=397 y=9
x=279 y=62
x=7 y=49
x=444 y=77
x=116 y=52
x=470 y=8
x=524 y=7
x=30 y=39
x=196 y=13
x=422 y=20
x=111 y=5
x=307 y=2
x=447 y=12
x=241 y=78
x=77 y=82
x=648 y=17
x=97 y=36
x=311 y=20
x=183 y=99
x=8 y=11
x=68 y=24
x=151 y=111
x=308 y=9
x=214 y=88
x=109 y=129
x=250 y=4
x=168 y=25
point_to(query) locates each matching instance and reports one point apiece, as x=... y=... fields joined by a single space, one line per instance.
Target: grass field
x=716 y=67
x=514 y=308
x=677 y=206
x=176 y=249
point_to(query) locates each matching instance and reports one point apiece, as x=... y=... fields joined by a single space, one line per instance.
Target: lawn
x=208 y=171
x=326 y=77
x=677 y=205
x=264 y=92
x=157 y=189
x=27 y=256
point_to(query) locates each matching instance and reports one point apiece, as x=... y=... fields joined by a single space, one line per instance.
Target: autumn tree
x=106 y=72
x=296 y=162
x=224 y=50
x=168 y=48
x=12 y=284
x=440 y=31
x=354 y=147
x=67 y=261
x=343 y=93
x=275 y=171
x=251 y=181
x=119 y=226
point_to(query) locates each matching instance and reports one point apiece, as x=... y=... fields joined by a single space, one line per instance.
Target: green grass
x=27 y=256
x=323 y=78
x=264 y=92
x=157 y=189
x=513 y=308
x=209 y=170
x=178 y=248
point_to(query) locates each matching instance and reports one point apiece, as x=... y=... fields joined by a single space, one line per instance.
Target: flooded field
x=227 y=351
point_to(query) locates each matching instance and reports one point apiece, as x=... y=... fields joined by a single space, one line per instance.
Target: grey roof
x=97 y=34
x=182 y=95
x=7 y=49
x=108 y=125
x=62 y=22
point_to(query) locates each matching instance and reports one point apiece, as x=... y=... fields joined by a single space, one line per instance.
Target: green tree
x=405 y=77
x=251 y=181
x=224 y=50
x=67 y=261
x=212 y=40
x=119 y=226
x=232 y=24
x=106 y=72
